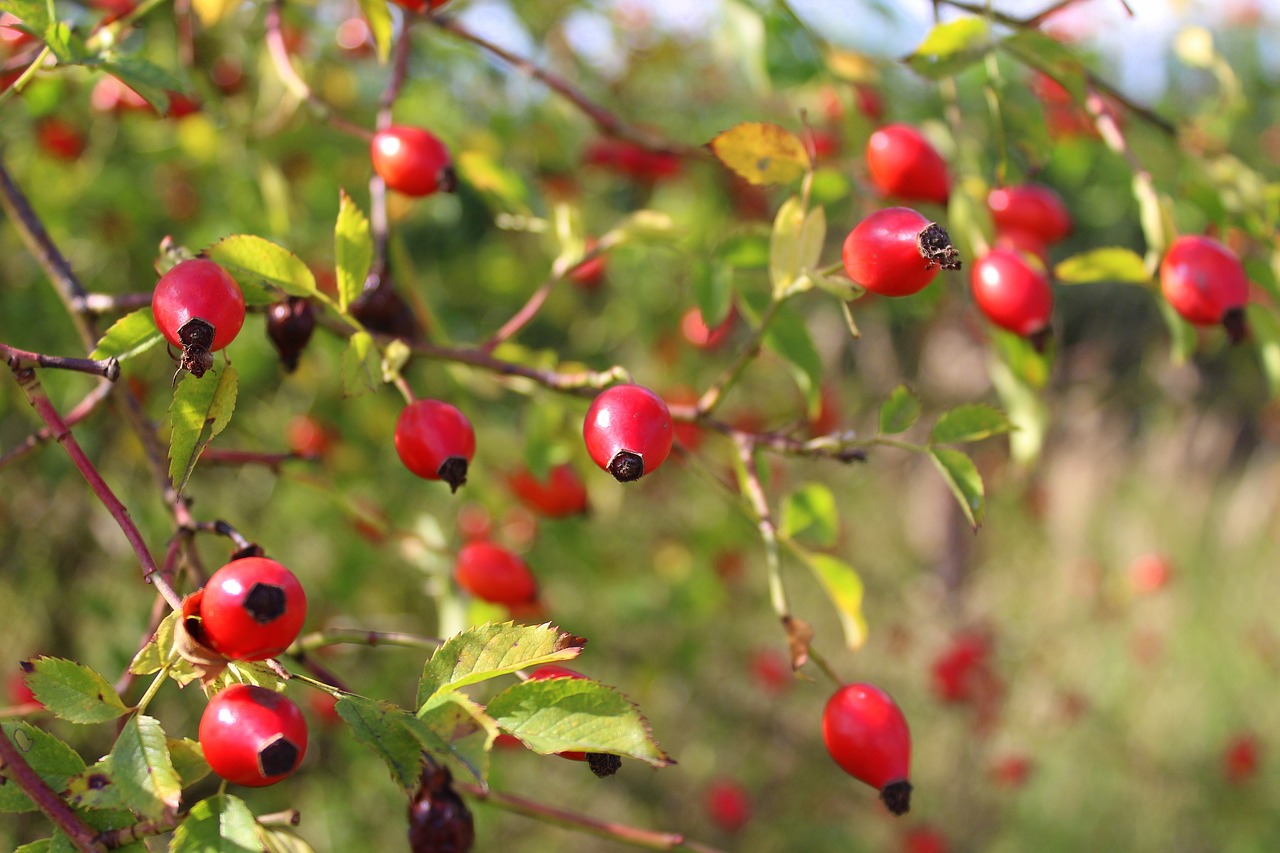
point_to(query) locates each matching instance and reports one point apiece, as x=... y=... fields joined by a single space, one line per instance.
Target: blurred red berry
x=1241 y=757
x=728 y=805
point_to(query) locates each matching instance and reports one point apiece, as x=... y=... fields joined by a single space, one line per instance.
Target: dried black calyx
x=447 y=179
x=279 y=757
x=196 y=336
x=935 y=247
x=439 y=821
x=253 y=549
x=382 y=310
x=265 y=602
x=897 y=796
x=453 y=471
x=626 y=466
x=1234 y=322
x=289 y=325
x=26 y=666
x=603 y=764
x=1041 y=338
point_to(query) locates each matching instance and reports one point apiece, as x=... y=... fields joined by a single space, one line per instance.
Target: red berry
x=60 y=139
x=590 y=275
x=1240 y=758
x=772 y=671
x=961 y=672
x=922 y=839
x=1149 y=572
x=412 y=160
x=1205 y=283
x=198 y=307
x=435 y=441
x=110 y=95
x=1022 y=240
x=559 y=495
x=252 y=609
x=870 y=101
x=1012 y=292
x=906 y=165
x=1012 y=771
x=307 y=437
x=697 y=332
x=896 y=252
x=628 y=431
x=494 y=574
x=11 y=38
x=728 y=804
x=19 y=692
x=631 y=160
x=420 y=6
x=867 y=736
x=1035 y=208
x=252 y=736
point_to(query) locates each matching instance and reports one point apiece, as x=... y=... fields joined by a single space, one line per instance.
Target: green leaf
x=142 y=769
x=253 y=258
x=151 y=658
x=33 y=13
x=791 y=56
x=748 y=250
x=217 y=824
x=844 y=587
x=1027 y=412
x=132 y=334
x=378 y=14
x=188 y=760
x=1112 y=263
x=962 y=477
x=713 y=290
x=361 y=366
x=95 y=788
x=353 y=248
x=53 y=761
x=502 y=188
x=200 y=410
x=74 y=692
x=1029 y=366
x=575 y=714
x=66 y=44
x=1154 y=212
x=788 y=336
x=811 y=510
x=813 y=236
x=762 y=153
x=41 y=846
x=1037 y=50
x=1182 y=335
x=397 y=736
x=1265 y=331
x=276 y=840
x=784 y=244
x=486 y=651
x=899 y=412
x=972 y=422
x=149 y=80
x=466 y=730
x=951 y=47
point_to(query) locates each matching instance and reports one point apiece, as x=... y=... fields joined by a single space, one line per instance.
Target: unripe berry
x=252 y=736
x=897 y=252
x=435 y=441
x=628 y=431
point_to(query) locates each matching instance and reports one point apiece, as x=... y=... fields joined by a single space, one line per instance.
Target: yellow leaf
x=762 y=153
x=211 y=11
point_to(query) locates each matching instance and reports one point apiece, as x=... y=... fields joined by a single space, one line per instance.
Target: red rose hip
x=628 y=431
x=1033 y=208
x=253 y=736
x=897 y=252
x=252 y=609
x=868 y=737
x=435 y=441
x=199 y=308
x=412 y=160
x=905 y=165
x=1205 y=283
x=494 y=574
x=558 y=495
x=1012 y=292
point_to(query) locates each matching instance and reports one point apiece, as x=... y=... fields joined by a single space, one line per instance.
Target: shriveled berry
x=290 y=325
x=439 y=821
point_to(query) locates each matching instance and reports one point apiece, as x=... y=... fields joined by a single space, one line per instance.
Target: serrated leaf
x=201 y=409
x=487 y=651
x=132 y=334
x=962 y=477
x=33 y=13
x=188 y=760
x=217 y=824
x=245 y=672
x=142 y=769
x=951 y=47
x=1112 y=263
x=353 y=249
x=94 y=788
x=811 y=511
x=151 y=658
x=246 y=256
x=899 y=412
x=972 y=422
x=1028 y=366
x=465 y=728
x=397 y=736
x=361 y=366
x=149 y=80
x=844 y=587
x=74 y=692
x=762 y=153
x=575 y=714
x=378 y=14
x=210 y=12
x=712 y=282
x=789 y=337
x=50 y=758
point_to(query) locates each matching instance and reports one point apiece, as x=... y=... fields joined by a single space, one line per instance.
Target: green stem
x=154 y=687
x=26 y=76
x=713 y=396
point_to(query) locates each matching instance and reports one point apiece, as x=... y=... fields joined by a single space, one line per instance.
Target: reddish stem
x=16 y=768
x=81 y=411
x=530 y=309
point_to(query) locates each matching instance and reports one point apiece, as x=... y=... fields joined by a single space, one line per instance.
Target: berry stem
x=19 y=84
x=823 y=665
x=15 y=768
x=754 y=493
x=712 y=397
x=154 y=687
x=358 y=637
x=108 y=368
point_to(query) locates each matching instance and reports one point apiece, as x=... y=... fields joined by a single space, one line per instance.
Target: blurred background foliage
x=1109 y=704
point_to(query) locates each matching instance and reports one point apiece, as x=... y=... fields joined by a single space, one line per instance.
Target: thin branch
x=108 y=368
x=605 y=121
x=18 y=771
x=635 y=836
x=222 y=456
x=379 y=224
x=81 y=411
x=713 y=396
x=584 y=383
x=110 y=303
x=753 y=490
x=530 y=309
x=30 y=385
x=357 y=636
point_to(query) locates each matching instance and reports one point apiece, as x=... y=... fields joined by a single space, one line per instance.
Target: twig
x=605 y=121
x=584 y=382
x=635 y=836
x=715 y=394
x=378 y=222
x=108 y=368
x=530 y=309
x=24 y=78
x=16 y=768
x=108 y=303
x=357 y=636
x=81 y=411
x=753 y=491
x=222 y=456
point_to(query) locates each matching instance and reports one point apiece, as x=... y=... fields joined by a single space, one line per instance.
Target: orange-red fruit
x=924 y=839
x=627 y=431
x=560 y=494
x=1149 y=572
x=1034 y=208
x=896 y=251
x=867 y=735
x=589 y=275
x=904 y=164
x=494 y=574
x=697 y=332
x=1240 y=758
x=1203 y=280
x=728 y=804
x=412 y=160
x=253 y=736
x=60 y=139
x=1012 y=292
